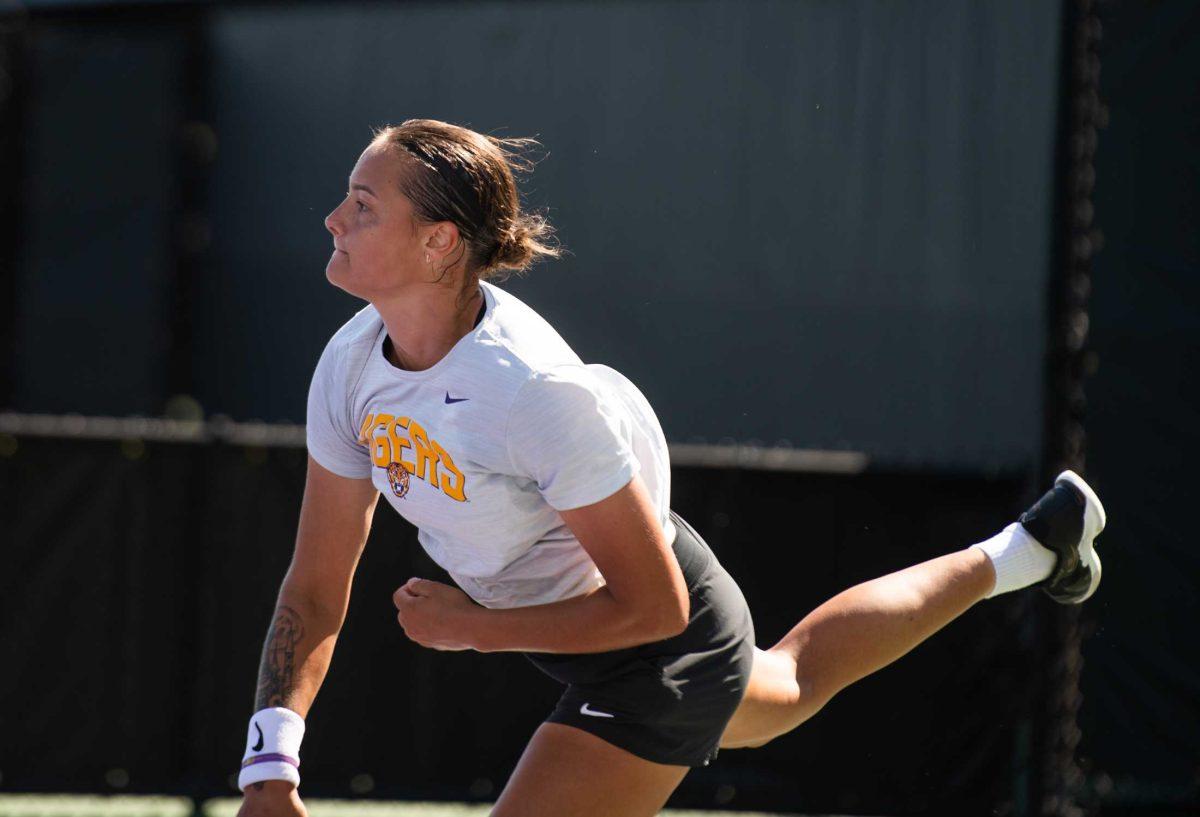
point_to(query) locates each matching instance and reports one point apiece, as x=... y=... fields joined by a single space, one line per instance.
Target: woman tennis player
x=542 y=486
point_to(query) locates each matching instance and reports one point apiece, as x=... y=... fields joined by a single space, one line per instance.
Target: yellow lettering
x=400 y=442
x=453 y=483
x=424 y=452
x=381 y=446
x=366 y=427
x=384 y=435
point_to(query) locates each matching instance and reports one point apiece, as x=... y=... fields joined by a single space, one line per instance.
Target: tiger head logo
x=398 y=479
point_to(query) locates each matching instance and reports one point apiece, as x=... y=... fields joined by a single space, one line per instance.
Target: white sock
x=1018 y=558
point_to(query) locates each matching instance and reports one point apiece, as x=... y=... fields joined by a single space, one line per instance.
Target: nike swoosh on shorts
x=594 y=713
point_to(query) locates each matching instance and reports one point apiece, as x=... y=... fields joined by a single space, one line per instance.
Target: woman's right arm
x=335 y=518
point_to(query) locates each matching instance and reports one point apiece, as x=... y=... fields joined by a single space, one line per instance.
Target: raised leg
x=850 y=636
x=567 y=772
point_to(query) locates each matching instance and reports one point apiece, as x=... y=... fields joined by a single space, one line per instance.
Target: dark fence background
x=137 y=592
x=847 y=205
x=1140 y=719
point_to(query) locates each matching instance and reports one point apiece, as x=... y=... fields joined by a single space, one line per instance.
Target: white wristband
x=272 y=747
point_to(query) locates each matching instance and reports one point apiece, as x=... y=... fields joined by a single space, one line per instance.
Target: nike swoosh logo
x=585 y=709
x=450 y=399
x=258 y=746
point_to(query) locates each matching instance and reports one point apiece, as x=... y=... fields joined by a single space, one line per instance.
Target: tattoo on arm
x=277 y=671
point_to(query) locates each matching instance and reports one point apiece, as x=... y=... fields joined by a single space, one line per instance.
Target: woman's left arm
x=644 y=599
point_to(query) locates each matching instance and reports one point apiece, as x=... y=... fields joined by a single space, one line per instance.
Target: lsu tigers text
x=387 y=436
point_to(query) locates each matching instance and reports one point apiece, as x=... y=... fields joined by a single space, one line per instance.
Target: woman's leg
x=850 y=636
x=567 y=772
x=871 y=625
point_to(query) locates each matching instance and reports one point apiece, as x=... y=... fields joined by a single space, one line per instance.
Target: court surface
x=51 y=805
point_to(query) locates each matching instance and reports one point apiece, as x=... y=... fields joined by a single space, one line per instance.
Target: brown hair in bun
x=467 y=178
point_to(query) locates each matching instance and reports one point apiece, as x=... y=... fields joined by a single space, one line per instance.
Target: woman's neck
x=424 y=322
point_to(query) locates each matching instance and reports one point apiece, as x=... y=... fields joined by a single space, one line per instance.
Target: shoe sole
x=1094 y=520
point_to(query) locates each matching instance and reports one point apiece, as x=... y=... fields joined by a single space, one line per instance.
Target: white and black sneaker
x=1066 y=520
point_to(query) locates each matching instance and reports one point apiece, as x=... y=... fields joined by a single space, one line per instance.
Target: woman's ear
x=442 y=239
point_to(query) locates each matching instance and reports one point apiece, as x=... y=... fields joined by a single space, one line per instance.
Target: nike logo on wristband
x=258 y=746
x=586 y=710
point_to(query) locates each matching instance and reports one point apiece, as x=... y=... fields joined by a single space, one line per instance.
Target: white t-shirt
x=481 y=450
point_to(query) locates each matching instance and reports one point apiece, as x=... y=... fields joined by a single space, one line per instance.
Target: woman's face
x=379 y=245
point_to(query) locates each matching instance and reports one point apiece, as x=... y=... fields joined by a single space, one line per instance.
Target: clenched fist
x=436 y=615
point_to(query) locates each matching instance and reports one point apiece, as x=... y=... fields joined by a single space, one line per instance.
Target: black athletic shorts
x=667 y=701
